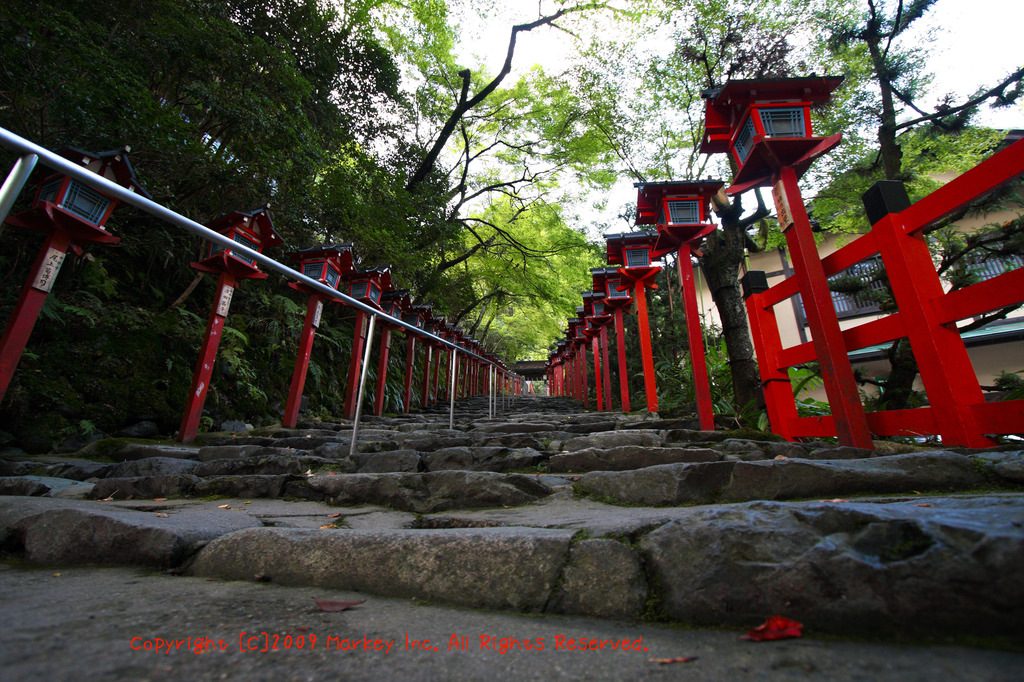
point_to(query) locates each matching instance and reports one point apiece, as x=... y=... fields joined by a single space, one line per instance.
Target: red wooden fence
x=927 y=317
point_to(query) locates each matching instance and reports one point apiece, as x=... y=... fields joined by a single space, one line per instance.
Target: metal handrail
x=32 y=153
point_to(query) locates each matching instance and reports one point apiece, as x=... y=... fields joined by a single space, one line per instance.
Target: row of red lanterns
x=765 y=126
x=72 y=214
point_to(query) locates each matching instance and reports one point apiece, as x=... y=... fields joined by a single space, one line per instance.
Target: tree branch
x=466 y=103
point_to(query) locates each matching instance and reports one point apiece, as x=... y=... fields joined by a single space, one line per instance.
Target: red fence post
x=946 y=369
x=778 y=391
x=836 y=371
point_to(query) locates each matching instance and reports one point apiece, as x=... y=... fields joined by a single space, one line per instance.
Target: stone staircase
x=546 y=509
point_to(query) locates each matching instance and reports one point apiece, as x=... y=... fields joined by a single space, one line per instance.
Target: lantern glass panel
x=786 y=122
x=245 y=241
x=86 y=202
x=413 y=319
x=637 y=258
x=744 y=141
x=313 y=270
x=332 y=277
x=599 y=308
x=683 y=212
x=359 y=289
x=375 y=293
x=48 y=192
x=613 y=292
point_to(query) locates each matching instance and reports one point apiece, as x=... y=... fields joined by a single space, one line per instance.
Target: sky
x=977 y=43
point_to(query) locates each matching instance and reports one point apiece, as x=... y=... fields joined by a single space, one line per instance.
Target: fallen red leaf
x=334 y=516
x=678 y=659
x=776 y=627
x=159 y=499
x=332 y=606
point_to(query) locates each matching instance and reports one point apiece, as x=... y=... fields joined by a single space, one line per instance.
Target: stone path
x=548 y=510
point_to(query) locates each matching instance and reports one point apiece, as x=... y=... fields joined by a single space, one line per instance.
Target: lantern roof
x=342 y=252
x=113 y=165
x=400 y=296
x=380 y=274
x=742 y=91
x=257 y=221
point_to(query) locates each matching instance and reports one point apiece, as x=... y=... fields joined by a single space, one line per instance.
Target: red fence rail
x=927 y=317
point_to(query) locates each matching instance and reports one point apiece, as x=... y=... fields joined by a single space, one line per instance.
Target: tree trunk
x=724 y=253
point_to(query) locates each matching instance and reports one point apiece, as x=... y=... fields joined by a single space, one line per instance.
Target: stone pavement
x=106 y=623
x=546 y=510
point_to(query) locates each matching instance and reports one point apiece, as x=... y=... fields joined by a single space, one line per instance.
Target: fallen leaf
x=776 y=627
x=159 y=499
x=916 y=492
x=327 y=525
x=678 y=659
x=249 y=502
x=837 y=500
x=309 y=472
x=309 y=435
x=56 y=575
x=109 y=499
x=332 y=606
x=160 y=515
x=922 y=505
x=781 y=457
x=331 y=473
x=223 y=506
x=334 y=515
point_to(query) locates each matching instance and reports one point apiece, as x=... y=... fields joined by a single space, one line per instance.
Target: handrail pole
x=14 y=183
x=362 y=384
x=451 y=393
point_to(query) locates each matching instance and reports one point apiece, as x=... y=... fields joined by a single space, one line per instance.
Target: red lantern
x=256 y=231
x=766 y=124
x=326 y=264
x=71 y=214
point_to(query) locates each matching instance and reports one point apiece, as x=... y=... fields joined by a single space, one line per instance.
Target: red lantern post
x=327 y=265
x=71 y=215
x=633 y=251
x=416 y=316
x=366 y=285
x=256 y=231
x=682 y=213
x=766 y=126
x=596 y=319
x=392 y=303
x=607 y=281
